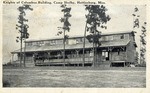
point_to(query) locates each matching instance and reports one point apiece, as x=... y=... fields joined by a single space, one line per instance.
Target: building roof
x=74 y=46
x=103 y=34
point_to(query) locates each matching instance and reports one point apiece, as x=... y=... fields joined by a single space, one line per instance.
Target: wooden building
x=115 y=49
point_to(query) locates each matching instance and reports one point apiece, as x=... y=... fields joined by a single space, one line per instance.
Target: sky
x=44 y=20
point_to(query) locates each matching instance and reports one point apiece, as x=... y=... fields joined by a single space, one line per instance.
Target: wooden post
x=49 y=53
x=12 y=57
x=62 y=52
x=124 y=64
x=111 y=56
x=77 y=54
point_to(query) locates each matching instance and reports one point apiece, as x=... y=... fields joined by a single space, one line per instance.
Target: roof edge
x=103 y=34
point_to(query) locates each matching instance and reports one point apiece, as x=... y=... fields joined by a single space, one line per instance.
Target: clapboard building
x=116 y=48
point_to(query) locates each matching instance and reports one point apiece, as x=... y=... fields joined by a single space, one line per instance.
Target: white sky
x=44 y=20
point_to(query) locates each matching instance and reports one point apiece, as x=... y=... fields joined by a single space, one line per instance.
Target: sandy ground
x=114 y=77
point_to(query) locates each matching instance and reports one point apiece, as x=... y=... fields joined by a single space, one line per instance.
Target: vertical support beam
x=49 y=53
x=62 y=52
x=12 y=59
x=34 y=57
x=126 y=53
x=18 y=59
x=124 y=64
x=77 y=55
x=110 y=49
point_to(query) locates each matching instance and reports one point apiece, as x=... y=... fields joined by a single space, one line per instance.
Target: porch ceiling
x=74 y=46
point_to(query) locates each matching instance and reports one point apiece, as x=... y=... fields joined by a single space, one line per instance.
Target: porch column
x=58 y=54
x=18 y=59
x=34 y=57
x=124 y=64
x=12 y=59
x=49 y=53
x=62 y=52
x=110 y=50
x=77 y=55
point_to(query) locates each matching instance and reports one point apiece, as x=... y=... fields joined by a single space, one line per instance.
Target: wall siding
x=118 y=57
x=131 y=50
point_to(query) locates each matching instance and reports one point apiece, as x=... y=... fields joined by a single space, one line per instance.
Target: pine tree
x=22 y=27
x=96 y=17
x=66 y=25
x=143 y=45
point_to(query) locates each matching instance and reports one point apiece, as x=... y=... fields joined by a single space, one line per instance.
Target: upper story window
x=110 y=37
x=37 y=43
x=52 y=42
x=122 y=37
x=41 y=43
x=29 y=44
x=126 y=36
x=105 y=38
x=79 y=40
x=59 y=41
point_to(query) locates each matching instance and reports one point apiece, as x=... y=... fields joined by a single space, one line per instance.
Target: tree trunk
x=25 y=53
x=21 y=50
x=84 y=45
x=64 y=49
x=93 y=54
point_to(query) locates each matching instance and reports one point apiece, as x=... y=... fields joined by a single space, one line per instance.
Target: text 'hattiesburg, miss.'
x=53 y=2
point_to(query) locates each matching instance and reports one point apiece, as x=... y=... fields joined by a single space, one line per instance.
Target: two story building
x=116 y=49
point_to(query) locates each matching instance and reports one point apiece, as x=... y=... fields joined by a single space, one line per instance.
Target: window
x=105 y=38
x=122 y=37
x=105 y=53
x=29 y=44
x=126 y=36
x=41 y=43
x=80 y=39
x=53 y=42
x=77 y=41
x=47 y=43
x=37 y=43
x=110 y=37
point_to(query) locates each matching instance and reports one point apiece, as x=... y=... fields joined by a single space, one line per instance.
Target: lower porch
x=108 y=56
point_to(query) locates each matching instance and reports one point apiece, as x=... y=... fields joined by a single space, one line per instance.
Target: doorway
x=105 y=55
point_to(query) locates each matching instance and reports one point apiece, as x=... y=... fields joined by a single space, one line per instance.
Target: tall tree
x=143 y=45
x=136 y=18
x=136 y=57
x=22 y=27
x=136 y=24
x=96 y=17
x=66 y=25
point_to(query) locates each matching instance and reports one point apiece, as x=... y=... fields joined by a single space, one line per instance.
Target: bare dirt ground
x=114 y=77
